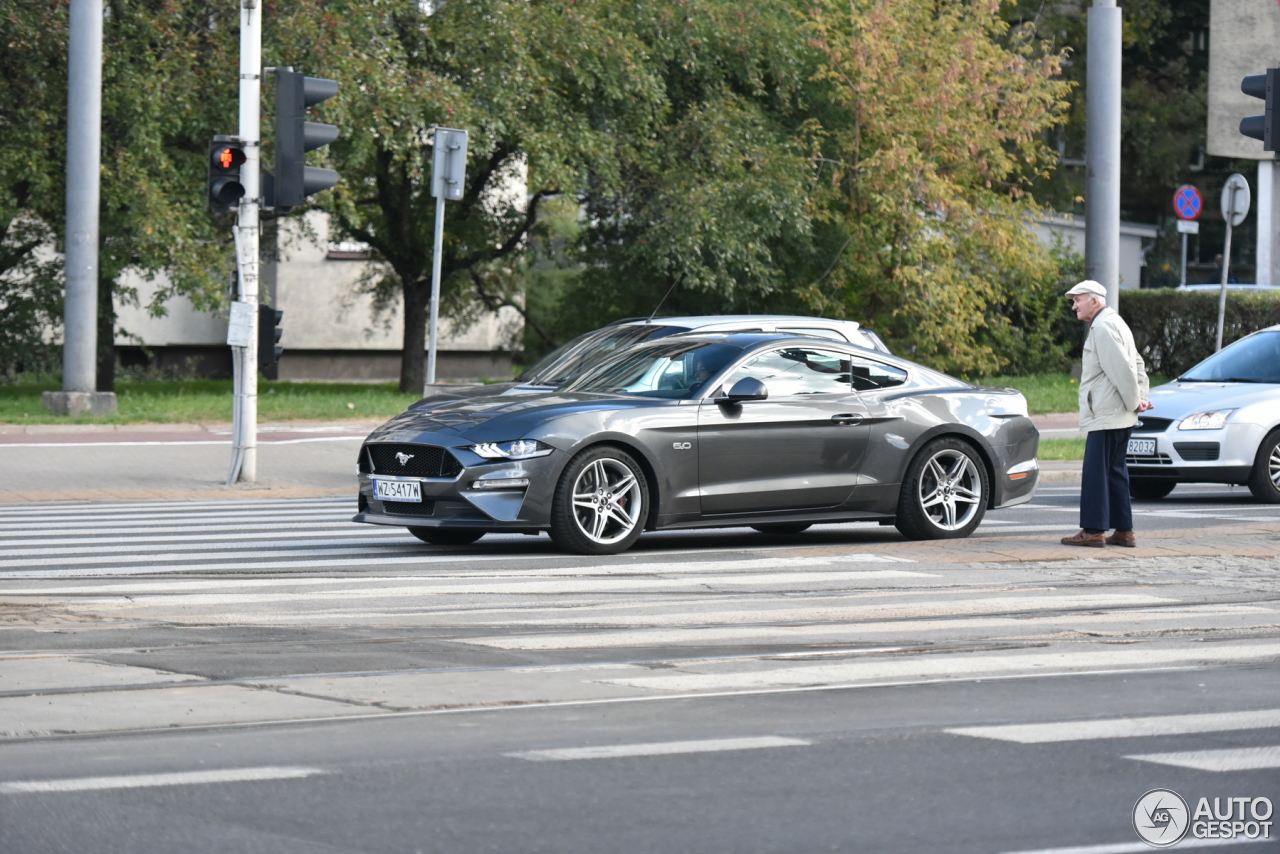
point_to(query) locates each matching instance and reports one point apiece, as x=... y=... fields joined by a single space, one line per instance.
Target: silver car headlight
x=1215 y=419
x=518 y=449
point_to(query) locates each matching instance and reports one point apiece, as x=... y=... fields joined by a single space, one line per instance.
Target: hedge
x=1174 y=330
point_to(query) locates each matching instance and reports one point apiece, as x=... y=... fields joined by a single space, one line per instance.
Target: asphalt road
x=266 y=676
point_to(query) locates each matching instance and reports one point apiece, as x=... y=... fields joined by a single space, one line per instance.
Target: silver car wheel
x=607 y=501
x=950 y=490
x=1273 y=466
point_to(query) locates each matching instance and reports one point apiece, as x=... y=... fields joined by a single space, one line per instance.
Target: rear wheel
x=783 y=527
x=601 y=503
x=944 y=493
x=447 y=536
x=1150 y=488
x=1264 y=482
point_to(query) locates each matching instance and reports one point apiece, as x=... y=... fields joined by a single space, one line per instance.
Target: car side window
x=869 y=375
x=797 y=370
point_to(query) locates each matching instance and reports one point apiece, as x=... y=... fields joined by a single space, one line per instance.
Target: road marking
x=138 y=781
x=1139 y=847
x=658 y=748
x=1228 y=759
x=177 y=442
x=1125 y=727
x=955 y=666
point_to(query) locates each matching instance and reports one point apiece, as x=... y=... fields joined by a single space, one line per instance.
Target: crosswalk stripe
x=1044 y=733
x=230 y=524
x=660 y=748
x=138 y=781
x=1226 y=759
x=202 y=540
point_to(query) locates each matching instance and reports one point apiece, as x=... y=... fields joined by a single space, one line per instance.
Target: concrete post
x=1268 y=206
x=79 y=393
x=1102 y=158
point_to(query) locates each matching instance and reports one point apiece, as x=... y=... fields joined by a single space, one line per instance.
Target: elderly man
x=1113 y=390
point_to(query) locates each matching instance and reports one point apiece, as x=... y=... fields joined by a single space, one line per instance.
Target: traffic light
x=294 y=180
x=225 y=189
x=1265 y=127
x=269 y=332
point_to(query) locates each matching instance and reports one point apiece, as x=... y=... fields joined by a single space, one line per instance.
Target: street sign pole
x=448 y=170
x=1235 y=207
x=1182 y=281
x=244 y=459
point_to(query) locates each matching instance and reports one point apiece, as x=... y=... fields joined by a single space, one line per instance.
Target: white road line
x=64 y=521
x=178 y=442
x=1140 y=847
x=954 y=666
x=658 y=748
x=1125 y=727
x=202 y=540
x=264 y=543
x=138 y=781
x=144 y=526
x=41 y=508
x=1228 y=759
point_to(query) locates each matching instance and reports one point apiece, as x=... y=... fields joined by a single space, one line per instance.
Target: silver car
x=591 y=348
x=1217 y=423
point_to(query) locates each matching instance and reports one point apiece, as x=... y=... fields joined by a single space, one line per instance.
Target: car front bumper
x=1199 y=456
x=457 y=502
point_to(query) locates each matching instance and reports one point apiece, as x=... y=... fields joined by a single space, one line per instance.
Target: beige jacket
x=1113 y=379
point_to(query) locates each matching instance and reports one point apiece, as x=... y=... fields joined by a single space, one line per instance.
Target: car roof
x=754 y=340
x=709 y=320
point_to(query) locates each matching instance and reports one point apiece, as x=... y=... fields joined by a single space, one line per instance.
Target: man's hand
x=1144 y=405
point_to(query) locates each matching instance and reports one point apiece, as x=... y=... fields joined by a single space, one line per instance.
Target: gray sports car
x=769 y=431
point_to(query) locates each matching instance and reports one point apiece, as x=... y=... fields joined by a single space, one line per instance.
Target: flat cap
x=1088 y=286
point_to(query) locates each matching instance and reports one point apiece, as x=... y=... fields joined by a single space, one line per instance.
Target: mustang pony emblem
x=403 y=458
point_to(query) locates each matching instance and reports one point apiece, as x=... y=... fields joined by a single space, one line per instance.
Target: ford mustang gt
x=699 y=430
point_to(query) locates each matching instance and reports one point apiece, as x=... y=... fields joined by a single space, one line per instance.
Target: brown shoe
x=1123 y=538
x=1084 y=538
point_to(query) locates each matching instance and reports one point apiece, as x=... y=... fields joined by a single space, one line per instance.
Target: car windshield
x=674 y=369
x=587 y=351
x=1255 y=359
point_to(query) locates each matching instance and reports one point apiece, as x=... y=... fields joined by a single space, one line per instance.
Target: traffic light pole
x=1102 y=150
x=244 y=461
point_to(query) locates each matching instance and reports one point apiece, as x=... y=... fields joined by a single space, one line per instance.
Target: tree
x=658 y=120
x=926 y=170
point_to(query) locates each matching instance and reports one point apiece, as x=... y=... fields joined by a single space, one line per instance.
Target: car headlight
x=1213 y=420
x=519 y=449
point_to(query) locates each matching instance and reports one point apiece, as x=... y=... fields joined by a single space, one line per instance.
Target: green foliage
x=926 y=167
x=1175 y=330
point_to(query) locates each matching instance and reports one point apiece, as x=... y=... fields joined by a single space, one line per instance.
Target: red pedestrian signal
x=225 y=188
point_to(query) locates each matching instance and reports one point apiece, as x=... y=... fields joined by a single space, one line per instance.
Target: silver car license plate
x=1142 y=447
x=397 y=490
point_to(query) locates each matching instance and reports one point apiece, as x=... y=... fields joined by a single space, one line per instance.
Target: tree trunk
x=106 y=335
x=413 y=360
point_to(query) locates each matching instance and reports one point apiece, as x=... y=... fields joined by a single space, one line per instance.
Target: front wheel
x=1150 y=488
x=601 y=503
x=1264 y=481
x=447 y=536
x=944 y=493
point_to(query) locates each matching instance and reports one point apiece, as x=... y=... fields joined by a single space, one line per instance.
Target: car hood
x=499 y=418
x=1177 y=400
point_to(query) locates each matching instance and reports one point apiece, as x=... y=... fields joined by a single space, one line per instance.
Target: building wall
x=330 y=330
x=1135 y=239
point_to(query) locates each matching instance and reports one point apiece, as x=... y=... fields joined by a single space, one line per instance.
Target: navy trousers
x=1104 y=482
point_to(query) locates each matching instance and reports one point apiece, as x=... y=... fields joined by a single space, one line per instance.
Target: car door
x=798 y=449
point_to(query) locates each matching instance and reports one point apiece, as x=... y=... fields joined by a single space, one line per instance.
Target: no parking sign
x=1187 y=202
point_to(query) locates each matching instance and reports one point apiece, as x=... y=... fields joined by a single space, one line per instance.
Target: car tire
x=601 y=504
x=1150 y=488
x=1264 y=480
x=944 y=492
x=783 y=527
x=447 y=536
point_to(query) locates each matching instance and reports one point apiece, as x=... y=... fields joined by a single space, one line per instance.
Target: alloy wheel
x=950 y=490
x=1273 y=466
x=607 y=501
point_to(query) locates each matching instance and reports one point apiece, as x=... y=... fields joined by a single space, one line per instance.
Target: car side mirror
x=747 y=388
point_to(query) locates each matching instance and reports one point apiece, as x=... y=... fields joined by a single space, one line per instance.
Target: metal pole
x=1184 y=259
x=1266 y=204
x=1226 y=267
x=246 y=443
x=84 y=146
x=435 y=289
x=1102 y=158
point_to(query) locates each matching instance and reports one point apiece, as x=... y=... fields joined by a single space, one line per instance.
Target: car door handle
x=847 y=418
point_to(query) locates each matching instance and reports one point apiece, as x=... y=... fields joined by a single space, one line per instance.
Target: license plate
x=397 y=490
x=1142 y=447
